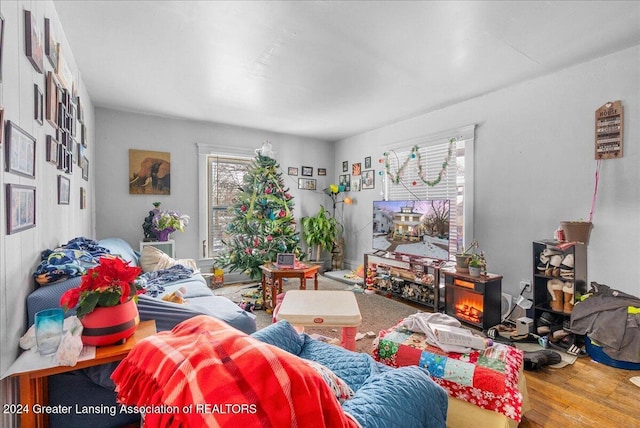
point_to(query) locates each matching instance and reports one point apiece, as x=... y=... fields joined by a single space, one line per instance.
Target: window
x=223 y=183
x=220 y=177
x=456 y=183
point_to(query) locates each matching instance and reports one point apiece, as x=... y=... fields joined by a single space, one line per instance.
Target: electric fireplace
x=472 y=300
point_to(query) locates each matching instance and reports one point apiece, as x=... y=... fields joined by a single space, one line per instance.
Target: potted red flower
x=106 y=301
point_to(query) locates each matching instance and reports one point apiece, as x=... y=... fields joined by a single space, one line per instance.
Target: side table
x=33 y=383
x=272 y=277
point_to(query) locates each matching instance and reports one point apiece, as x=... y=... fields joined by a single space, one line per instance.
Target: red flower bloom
x=110 y=283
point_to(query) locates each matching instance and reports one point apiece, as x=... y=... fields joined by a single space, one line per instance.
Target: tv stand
x=412 y=278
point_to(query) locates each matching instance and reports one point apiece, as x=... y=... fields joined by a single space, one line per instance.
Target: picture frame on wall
x=1 y=42
x=52 y=150
x=65 y=76
x=307 y=171
x=356 y=184
x=85 y=168
x=20 y=152
x=149 y=172
x=356 y=169
x=34 y=46
x=21 y=207
x=50 y=44
x=83 y=198
x=345 y=180
x=64 y=190
x=1 y=126
x=307 y=183
x=322 y=171
x=292 y=170
x=51 y=100
x=367 y=162
x=38 y=104
x=368 y=179
x=345 y=166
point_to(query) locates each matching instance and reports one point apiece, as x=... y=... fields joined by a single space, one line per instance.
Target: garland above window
x=415 y=154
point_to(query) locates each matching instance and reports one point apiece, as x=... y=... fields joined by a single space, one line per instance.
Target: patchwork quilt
x=487 y=378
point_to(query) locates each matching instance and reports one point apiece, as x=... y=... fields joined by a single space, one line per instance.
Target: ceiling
x=327 y=69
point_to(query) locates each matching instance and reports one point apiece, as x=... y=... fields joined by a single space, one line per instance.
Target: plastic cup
x=49 y=330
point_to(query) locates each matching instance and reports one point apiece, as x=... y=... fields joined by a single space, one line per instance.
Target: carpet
x=378 y=312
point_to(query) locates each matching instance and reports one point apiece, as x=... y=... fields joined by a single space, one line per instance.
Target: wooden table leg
x=303 y=282
x=33 y=391
x=264 y=289
x=315 y=280
x=349 y=338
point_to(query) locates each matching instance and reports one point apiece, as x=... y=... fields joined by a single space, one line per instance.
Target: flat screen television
x=412 y=227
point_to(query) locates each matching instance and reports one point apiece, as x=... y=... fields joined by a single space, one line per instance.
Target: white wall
x=534 y=167
x=55 y=224
x=119 y=214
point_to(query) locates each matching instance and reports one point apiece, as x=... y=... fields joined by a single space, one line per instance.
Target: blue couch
x=384 y=397
x=93 y=386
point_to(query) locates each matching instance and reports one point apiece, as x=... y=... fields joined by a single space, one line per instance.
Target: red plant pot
x=111 y=325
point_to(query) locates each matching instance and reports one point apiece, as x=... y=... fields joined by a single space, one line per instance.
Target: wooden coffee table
x=272 y=277
x=323 y=308
x=34 y=385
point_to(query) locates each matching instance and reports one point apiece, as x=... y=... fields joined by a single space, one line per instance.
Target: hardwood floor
x=585 y=394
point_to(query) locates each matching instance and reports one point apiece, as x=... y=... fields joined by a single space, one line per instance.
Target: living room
x=533 y=164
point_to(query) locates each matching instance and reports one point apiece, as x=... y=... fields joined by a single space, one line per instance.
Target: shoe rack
x=559 y=276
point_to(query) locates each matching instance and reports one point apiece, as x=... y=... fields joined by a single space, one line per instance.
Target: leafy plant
x=110 y=283
x=322 y=230
x=477 y=260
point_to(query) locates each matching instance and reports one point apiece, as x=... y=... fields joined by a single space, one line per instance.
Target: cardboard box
x=524 y=325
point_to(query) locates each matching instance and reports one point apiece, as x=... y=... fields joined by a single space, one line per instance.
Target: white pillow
x=153 y=259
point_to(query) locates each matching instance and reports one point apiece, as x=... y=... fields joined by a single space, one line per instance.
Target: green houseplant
x=321 y=231
x=477 y=263
x=463 y=258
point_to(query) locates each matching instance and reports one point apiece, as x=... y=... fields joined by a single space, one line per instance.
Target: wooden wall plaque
x=609 y=126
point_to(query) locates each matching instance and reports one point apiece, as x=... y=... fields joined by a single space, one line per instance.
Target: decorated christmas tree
x=263 y=225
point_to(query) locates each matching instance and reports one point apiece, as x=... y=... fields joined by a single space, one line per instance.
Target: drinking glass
x=49 y=330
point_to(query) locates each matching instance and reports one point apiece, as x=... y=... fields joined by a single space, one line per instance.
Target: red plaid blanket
x=205 y=373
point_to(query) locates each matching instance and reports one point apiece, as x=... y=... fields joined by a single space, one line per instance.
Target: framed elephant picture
x=149 y=172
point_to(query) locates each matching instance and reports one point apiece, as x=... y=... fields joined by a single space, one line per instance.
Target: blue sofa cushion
x=283 y=335
x=120 y=247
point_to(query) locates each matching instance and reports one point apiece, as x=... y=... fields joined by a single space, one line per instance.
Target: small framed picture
x=50 y=44
x=34 y=46
x=52 y=150
x=83 y=198
x=368 y=179
x=356 y=184
x=367 y=162
x=345 y=180
x=51 y=98
x=307 y=183
x=21 y=208
x=20 y=152
x=38 y=104
x=85 y=168
x=64 y=190
x=1 y=42
x=356 y=169
x=307 y=171
x=345 y=166
x=292 y=170
x=322 y=171
x=1 y=125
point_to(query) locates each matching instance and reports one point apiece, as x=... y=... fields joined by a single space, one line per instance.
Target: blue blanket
x=69 y=260
x=153 y=282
